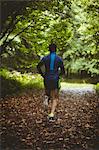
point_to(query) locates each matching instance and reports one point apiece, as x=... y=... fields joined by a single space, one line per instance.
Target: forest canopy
x=29 y=28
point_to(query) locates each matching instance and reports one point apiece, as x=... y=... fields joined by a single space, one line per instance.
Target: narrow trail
x=77 y=91
x=25 y=125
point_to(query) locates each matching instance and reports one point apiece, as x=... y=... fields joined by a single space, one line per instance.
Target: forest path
x=25 y=125
x=76 y=90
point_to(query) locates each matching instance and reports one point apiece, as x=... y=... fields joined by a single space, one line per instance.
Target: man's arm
x=40 y=64
x=62 y=68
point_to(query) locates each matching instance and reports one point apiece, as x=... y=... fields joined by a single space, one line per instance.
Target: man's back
x=52 y=63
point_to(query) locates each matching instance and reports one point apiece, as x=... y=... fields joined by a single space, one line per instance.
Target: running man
x=53 y=69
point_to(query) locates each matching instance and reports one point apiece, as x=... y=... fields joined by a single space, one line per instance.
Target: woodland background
x=27 y=29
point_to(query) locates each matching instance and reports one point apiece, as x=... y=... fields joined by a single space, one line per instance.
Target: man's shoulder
x=45 y=57
x=48 y=57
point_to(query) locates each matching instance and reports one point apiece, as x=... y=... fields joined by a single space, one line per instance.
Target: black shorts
x=51 y=82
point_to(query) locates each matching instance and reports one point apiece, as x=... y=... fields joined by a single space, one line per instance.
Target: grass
x=13 y=82
x=26 y=79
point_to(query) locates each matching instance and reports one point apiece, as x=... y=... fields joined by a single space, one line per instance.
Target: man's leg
x=47 y=92
x=46 y=97
x=55 y=97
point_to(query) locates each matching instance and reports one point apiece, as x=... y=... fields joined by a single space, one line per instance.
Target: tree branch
x=7 y=43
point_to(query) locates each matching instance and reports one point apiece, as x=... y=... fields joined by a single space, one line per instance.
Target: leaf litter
x=24 y=123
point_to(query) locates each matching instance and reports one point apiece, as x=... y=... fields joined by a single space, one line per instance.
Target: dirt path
x=78 y=88
x=77 y=91
x=25 y=125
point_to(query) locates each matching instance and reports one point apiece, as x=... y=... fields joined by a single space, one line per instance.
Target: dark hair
x=52 y=46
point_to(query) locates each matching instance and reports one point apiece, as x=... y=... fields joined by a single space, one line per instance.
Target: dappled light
x=17 y=81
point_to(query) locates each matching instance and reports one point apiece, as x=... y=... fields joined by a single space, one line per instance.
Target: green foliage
x=14 y=81
x=72 y=25
x=97 y=88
